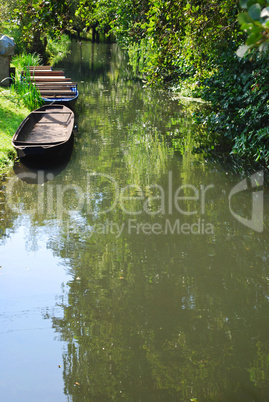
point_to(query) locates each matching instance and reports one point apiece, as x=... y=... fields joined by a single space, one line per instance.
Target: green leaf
x=255 y=11
x=258 y=157
x=253 y=38
x=251 y=2
x=257 y=29
x=244 y=18
x=243 y=3
x=246 y=27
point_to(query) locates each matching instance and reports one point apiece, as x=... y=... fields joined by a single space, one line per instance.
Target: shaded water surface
x=136 y=270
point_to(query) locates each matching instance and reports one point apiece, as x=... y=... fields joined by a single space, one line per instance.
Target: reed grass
x=27 y=93
x=23 y=60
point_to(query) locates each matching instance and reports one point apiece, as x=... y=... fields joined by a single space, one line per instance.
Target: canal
x=135 y=270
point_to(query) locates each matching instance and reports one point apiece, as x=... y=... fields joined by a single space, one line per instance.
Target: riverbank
x=19 y=101
x=12 y=113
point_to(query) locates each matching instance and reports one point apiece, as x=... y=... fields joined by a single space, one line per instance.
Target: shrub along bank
x=238 y=122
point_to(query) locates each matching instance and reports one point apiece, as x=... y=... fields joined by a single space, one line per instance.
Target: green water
x=136 y=270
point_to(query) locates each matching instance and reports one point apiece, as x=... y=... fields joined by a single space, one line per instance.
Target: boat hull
x=45 y=134
x=45 y=152
x=70 y=102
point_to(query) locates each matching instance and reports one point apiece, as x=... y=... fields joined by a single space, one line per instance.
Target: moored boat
x=64 y=95
x=52 y=85
x=45 y=132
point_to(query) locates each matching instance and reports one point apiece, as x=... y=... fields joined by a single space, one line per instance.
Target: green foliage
x=12 y=112
x=179 y=35
x=33 y=22
x=238 y=93
x=141 y=57
x=6 y=7
x=26 y=92
x=20 y=62
x=255 y=22
x=58 y=48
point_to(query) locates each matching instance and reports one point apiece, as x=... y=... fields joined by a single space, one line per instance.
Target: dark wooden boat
x=46 y=132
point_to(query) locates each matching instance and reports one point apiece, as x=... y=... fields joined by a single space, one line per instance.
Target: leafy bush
x=238 y=93
x=58 y=48
x=255 y=22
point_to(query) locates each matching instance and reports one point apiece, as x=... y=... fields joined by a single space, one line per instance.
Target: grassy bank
x=15 y=105
x=12 y=113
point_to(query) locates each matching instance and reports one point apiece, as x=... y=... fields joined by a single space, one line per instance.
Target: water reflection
x=156 y=307
x=161 y=316
x=166 y=317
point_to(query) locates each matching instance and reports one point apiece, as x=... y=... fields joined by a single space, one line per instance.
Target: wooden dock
x=52 y=84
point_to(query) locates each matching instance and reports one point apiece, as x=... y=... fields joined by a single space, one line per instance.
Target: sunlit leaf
x=265 y=12
x=242 y=50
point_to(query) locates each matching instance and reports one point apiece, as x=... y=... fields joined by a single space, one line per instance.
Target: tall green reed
x=22 y=86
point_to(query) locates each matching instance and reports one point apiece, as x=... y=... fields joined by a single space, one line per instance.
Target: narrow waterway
x=135 y=270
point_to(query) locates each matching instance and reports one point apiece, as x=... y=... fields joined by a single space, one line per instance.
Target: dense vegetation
x=188 y=46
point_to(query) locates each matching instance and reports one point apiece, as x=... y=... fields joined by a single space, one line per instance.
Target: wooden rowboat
x=53 y=86
x=46 y=132
x=63 y=95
